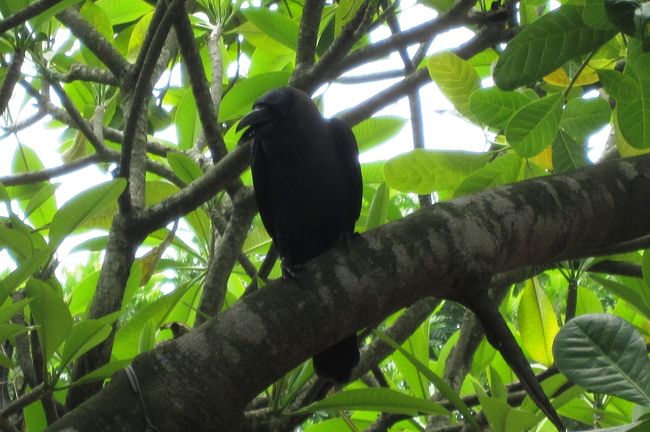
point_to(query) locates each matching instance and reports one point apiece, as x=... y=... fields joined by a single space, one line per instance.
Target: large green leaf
x=377 y=130
x=494 y=107
x=537 y=323
x=583 y=117
x=455 y=78
x=439 y=383
x=51 y=315
x=83 y=207
x=86 y=335
x=239 y=100
x=426 y=171
x=503 y=170
x=501 y=416
x=25 y=160
x=635 y=294
x=127 y=338
x=24 y=271
x=279 y=27
x=568 y=155
x=534 y=127
x=604 y=354
x=42 y=206
x=378 y=212
x=594 y=15
x=545 y=45
x=123 y=11
x=633 y=105
x=376 y=399
x=186 y=119
x=184 y=167
x=98 y=19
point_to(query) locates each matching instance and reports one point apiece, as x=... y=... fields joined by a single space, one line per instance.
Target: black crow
x=307 y=181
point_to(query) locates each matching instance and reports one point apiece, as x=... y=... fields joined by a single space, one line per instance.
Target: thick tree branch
x=275 y=329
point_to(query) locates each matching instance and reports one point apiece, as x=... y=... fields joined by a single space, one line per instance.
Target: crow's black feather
x=307 y=181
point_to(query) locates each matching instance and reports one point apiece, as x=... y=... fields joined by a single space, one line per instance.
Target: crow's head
x=274 y=111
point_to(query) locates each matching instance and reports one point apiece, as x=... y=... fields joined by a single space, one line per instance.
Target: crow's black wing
x=346 y=145
x=262 y=184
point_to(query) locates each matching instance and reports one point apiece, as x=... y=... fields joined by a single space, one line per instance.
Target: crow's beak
x=255 y=119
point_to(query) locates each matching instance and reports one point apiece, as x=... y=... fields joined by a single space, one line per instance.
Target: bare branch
x=49 y=173
x=82 y=72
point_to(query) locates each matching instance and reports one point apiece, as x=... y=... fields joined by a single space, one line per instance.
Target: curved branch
x=49 y=173
x=268 y=333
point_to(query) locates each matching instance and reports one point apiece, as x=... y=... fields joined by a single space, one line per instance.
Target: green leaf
x=426 y=171
x=537 y=323
x=10 y=330
x=568 y=155
x=534 y=127
x=373 y=172
x=501 y=416
x=595 y=16
x=378 y=212
x=83 y=207
x=147 y=337
x=456 y=79
x=345 y=12
x=187 y=121
x=439 y=383
x=127 y=338
x=24 y=271
x=503 y=170
x=103 y=372
x=494 y=107
x=16 y=242
x=239 y=100
x=42 y=206
x=410 y=359
x=633 y=105
x=137 y=36
x=376 y=399
x=25 y=160
x=545 y=45
x=377 y=130
x=9 y=309
x=184 y=167
x=604 y=354
x=86 y=335
x=99 y=20
x=635 y=294
x=279 y=27
x=124 y=11
x=583 y=117
x=50 y=314
x=588 y=302
x=82 y=294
